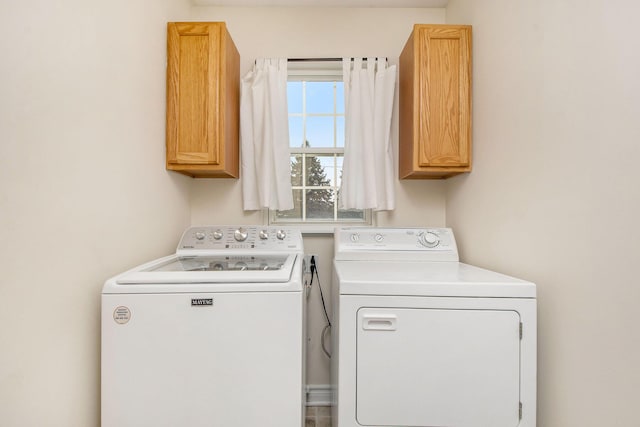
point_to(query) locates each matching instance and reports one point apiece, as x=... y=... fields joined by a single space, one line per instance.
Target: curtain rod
x=318 y=59
x=314 y=59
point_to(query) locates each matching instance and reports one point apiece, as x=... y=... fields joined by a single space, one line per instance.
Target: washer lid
x=438 y=279
x=221 y=268
x=226 y=263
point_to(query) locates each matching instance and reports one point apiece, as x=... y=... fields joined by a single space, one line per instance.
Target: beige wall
x=319 y=32
x=83 y=190
x=554 y=195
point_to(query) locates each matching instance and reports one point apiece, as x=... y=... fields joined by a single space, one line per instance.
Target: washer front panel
x=199 y=359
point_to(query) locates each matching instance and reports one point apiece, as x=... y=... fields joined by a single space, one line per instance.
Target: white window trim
x=322 y=226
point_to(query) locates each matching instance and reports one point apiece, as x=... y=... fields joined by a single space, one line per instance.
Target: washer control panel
x=227 y=237
x=395 y=243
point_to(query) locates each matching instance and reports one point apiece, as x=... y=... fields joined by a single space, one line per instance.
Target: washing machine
x=423 y=340
x=211 y=336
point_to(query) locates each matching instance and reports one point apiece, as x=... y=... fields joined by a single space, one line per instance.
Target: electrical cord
x=327 y=328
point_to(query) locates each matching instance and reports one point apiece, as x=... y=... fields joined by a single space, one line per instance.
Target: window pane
x=296 y=170
x=340 y=97
x=319 y=97
x=340 y=131
x=320 y=131
x=296 y=131
x=351 y=214
x=320 y=204
x=294 y=97
x=296 y=212
x=316 y=120
x=320 y=170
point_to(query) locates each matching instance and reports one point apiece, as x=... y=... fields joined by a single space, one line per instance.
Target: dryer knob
x=264 y=234
x=281 y=234
x=200 y=235
x=217 y=234
x=428 y=239
x=240 y=234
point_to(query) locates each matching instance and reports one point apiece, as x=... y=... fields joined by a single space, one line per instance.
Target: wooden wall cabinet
x=203 y=96
x=435 y=102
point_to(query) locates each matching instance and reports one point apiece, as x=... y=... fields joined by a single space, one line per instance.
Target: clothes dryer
x=420 y=339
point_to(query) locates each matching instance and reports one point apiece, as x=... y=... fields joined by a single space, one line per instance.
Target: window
x=315 y=98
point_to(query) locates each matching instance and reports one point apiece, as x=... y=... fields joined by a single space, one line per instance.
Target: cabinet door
x=444 y=64
x=193 y=93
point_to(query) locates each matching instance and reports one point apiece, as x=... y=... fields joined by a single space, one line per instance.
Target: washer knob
x=217 y=234
x=200 y=235
x=281 y=234
x=240 y=234
x=355 y=237
x=378 y=238
x=428 y=239
x=241 y=265
x=264 y=234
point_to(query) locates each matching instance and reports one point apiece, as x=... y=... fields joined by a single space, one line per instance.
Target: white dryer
x=422 y=340
x=211 y=336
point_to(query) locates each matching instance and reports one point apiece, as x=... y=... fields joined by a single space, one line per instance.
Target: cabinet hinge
x=520 y=330
x=520 y=411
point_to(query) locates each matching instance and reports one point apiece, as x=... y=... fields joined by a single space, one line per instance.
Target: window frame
x=317 y=71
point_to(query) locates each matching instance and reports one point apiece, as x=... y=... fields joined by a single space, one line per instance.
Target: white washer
x=210 y=336
x=420 y=339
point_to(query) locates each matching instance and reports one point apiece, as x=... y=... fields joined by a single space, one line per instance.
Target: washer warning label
x=122 y=315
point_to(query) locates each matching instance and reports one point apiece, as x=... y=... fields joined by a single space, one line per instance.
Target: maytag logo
x=201 y=301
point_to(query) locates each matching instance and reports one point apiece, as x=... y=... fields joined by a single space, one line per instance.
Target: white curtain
x=368 y=174
x=264 y=137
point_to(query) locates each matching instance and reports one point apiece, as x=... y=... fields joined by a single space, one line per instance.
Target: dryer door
x=438 y=367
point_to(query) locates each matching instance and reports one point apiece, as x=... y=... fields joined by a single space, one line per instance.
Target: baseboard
x=318 y=395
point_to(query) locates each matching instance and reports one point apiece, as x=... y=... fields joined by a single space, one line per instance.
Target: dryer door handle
x=380 y=322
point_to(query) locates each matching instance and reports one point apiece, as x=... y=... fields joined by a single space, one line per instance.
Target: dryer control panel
x=409 y=244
